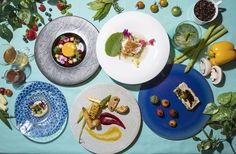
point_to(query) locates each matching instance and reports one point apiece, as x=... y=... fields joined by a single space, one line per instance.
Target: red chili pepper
x=108 y=119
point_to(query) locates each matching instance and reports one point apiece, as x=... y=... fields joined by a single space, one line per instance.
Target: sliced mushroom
x=216 y=75
x=205 y=66
x=112 y=104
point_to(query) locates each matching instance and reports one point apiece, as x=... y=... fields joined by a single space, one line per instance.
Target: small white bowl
x=200 y=22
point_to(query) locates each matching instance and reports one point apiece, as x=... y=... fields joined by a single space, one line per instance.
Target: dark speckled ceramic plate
x=43 y=50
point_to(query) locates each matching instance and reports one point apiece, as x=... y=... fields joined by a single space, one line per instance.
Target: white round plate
x=132 y=120
x=153 y=58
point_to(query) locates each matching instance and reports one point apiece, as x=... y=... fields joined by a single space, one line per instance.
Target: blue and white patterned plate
x=48 y=124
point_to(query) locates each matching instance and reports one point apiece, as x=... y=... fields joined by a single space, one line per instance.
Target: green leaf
x=233 y=115
x=14 y=22
x=215 y=126
x=222 y=114
x=24 y=4
x=40 y=18
x=95 y=5
x=224 y=98
x=6 y=33
x=211 y=133
x=107 y=1
x=206 y=145
x=211 y=109
x=195 y=138
x=199 y=147
x=8 y=9
x=24 y=15
x=113 y=44
x=4 y=120
x=233 y=99
x=105 y=11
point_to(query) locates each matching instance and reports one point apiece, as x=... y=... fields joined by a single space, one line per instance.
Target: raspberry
x=60 y=6
x=42 y=8
x=35 y=28
x=31 y=35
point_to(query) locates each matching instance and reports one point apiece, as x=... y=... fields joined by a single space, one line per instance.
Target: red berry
x=31 y=35
x=35 y=27
x=42 y=8
x=60 y=6
x=2 y=90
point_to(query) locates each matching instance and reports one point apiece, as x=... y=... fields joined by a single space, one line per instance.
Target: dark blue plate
x=48 y=124
x=188 y=122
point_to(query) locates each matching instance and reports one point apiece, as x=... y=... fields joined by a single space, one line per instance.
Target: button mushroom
x=216 y=75
x=112 y=104
x=205 y=66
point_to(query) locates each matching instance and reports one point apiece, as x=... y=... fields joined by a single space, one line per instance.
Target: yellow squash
x=221 y=53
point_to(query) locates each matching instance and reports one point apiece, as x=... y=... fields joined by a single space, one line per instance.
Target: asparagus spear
x=200 y=47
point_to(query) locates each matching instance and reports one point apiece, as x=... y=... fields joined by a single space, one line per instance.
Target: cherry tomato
x=140 y=5
x=176 y=11
x=163 y=3
x=154 y=8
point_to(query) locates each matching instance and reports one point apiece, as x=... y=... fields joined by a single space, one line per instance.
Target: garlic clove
x=216 y=75
x=205 y=66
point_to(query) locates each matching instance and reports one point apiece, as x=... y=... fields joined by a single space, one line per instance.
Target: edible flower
x=127 y=34
x=66 y=39
x=152 y=41
x=142 y=42
x=62 y=59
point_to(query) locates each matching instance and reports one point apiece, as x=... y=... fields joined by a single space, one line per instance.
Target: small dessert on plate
x=39 y=108
x=127 y=44
x=186 y=95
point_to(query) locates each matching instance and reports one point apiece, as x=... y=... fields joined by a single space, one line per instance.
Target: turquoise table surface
x=147 y=141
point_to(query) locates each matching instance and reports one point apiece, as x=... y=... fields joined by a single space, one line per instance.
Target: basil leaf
x=211 y=109
x=6 y=33
x=224 y=98
x=113 y=44
x=4 y=120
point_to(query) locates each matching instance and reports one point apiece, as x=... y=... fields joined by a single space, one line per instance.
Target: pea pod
x=104 y=12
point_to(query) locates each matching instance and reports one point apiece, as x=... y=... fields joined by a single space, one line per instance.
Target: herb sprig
x=103 y=7
x=223 y=117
